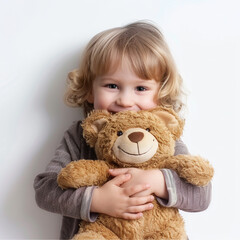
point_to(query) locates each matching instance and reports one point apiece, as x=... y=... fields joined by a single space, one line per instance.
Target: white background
x=41 y=41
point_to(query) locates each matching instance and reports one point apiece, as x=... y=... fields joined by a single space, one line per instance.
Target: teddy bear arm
x=194 y=169
x=83 y=173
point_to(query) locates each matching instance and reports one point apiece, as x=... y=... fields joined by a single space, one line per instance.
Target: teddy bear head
x=133 y=138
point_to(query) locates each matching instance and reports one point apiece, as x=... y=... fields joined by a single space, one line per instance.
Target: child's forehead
x=144 y=64
x=119 y=62
x=112 y=64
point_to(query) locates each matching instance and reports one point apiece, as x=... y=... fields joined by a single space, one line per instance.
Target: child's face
x=123 y=90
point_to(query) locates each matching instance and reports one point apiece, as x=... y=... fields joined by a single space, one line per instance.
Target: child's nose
x=125 y=99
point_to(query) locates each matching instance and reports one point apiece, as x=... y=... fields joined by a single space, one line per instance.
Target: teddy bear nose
x=136 y=136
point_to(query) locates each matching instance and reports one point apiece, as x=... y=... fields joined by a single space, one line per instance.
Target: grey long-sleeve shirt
x=74 y=204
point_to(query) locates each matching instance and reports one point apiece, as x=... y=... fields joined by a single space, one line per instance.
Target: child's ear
x=93 y=124
x=171 y=120
x=90 y=97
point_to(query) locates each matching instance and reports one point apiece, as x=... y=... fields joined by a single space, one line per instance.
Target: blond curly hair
x=150 y=58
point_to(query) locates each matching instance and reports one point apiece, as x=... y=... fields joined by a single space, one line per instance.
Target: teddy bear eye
x=148 y=129
x=119 y=133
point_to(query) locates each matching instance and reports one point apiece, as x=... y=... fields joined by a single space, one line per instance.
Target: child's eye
x=141 y=88
x=112 y=85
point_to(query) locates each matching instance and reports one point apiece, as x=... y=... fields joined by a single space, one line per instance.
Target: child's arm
x=171 y=191
x=183 y=195
x=70 y=202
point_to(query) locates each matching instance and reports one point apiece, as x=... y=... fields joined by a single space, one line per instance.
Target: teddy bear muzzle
x=135 y=145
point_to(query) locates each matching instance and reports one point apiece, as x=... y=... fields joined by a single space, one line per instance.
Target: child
x=125 y=68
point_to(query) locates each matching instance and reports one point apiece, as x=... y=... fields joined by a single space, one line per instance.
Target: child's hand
x=113 y=200
x=152 y=177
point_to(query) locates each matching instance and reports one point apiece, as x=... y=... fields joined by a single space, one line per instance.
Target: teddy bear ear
x=93 y=124
x=171 y=120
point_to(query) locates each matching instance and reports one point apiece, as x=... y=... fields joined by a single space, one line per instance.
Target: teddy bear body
x=143 y=139
x=158 y=223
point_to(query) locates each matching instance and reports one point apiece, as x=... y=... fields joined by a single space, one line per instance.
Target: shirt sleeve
x=183 y=195
x=74 y=203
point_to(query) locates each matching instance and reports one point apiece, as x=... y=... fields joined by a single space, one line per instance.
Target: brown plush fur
x=154 y=132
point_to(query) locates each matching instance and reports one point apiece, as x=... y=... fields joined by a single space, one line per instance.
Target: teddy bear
x=142 y=139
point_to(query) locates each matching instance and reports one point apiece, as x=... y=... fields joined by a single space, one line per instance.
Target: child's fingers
x=119 y=180
x=118 y=171
x=139 y=201
x=131 y=216
x=136 y=212
x=141 y=208
x=130 y=191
